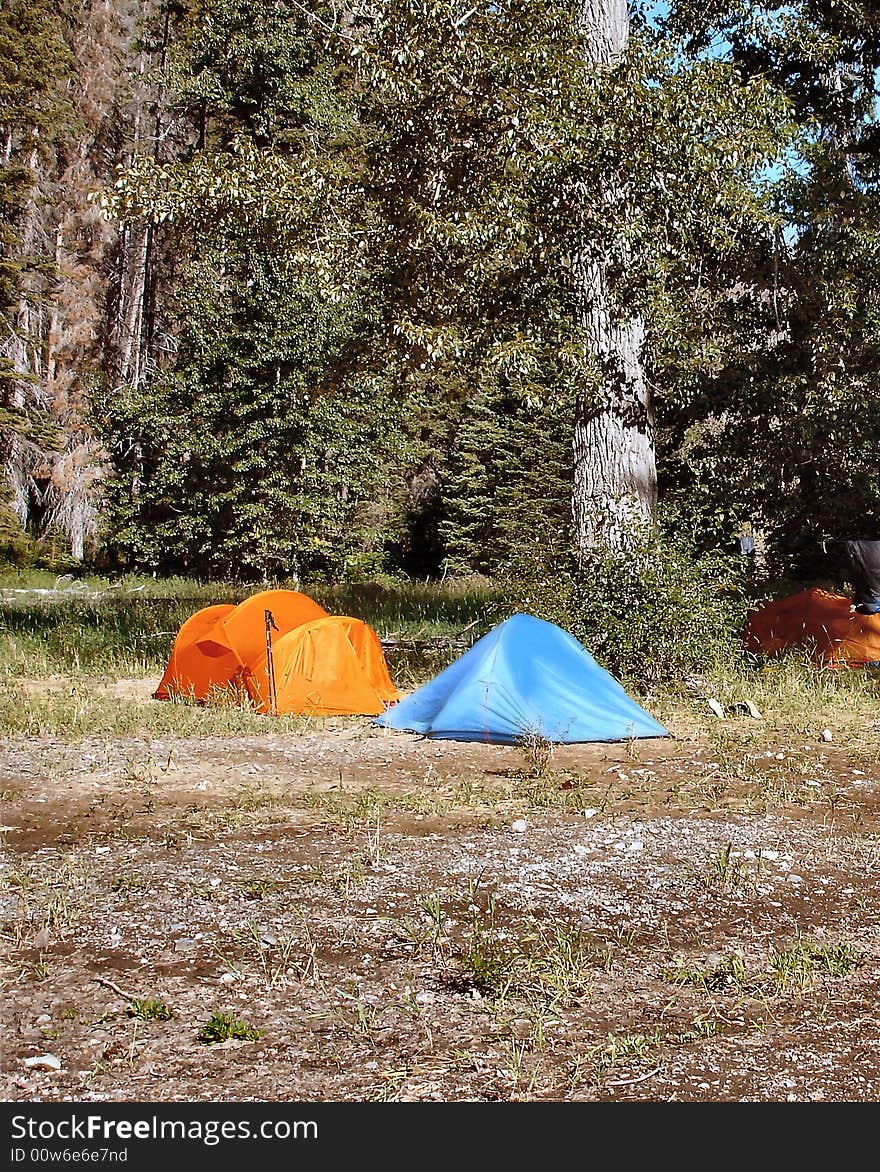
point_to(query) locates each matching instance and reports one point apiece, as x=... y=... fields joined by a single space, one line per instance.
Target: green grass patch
x=127 y=628
x=220 y=1027
x=77 y=708
x=799 y=965
x=150 y=1009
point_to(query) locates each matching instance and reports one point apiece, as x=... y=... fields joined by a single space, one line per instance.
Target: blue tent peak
x=525 y=677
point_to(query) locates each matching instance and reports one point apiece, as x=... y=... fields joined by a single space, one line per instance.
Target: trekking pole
x=270 y=663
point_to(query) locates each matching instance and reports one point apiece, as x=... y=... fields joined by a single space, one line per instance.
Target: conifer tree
x=34 y=65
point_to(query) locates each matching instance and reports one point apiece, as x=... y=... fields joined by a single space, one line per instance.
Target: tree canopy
x=351 y=258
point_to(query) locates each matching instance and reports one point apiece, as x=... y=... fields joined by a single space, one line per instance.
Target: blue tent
x=526 y=677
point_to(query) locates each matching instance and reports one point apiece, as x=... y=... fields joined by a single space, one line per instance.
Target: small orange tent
x=330 y=667
x=825 y=624
x=243 y=630
x=193 y=673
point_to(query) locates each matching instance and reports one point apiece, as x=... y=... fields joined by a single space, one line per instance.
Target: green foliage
x=407 y=201
x=16 y=548
x=650 y=617
x=150 y=1009
x=507 y=486
x=778 y=424
x=276 y=473
x=221 y=1027
x=35 y=60
x=34 y=54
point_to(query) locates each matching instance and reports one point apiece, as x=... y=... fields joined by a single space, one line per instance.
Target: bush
x=650 y=617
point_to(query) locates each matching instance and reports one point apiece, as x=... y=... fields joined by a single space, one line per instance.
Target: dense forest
x=437 y=288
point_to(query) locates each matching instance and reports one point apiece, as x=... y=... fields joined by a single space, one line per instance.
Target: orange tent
x=243 y=630
x=193 y=673
x=330 y=667
x=823 y=623
x=216 y=646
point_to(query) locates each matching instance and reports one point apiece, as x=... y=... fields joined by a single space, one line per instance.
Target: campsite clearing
x=364 y=914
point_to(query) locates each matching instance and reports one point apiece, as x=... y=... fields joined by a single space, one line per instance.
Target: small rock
x=826 y=734
x=519 y=825
x=44 y=1062
x=716 y=708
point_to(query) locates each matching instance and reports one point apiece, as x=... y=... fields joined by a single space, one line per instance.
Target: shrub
x=150 y=1009
x=651 y=616
x=17 y=549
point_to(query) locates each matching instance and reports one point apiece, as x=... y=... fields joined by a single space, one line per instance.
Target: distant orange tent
x=330 y=667
x=322 y=664
x=824 y=624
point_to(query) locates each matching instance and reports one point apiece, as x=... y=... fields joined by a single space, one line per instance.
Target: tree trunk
x=615 y=478
x=128 y=328
x=133 y=325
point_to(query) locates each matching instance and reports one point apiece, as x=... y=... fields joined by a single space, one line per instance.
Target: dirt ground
x=393 y=918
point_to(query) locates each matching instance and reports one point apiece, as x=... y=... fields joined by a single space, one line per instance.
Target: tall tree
x=34 y=64
x=73 y=92
x=615 y=476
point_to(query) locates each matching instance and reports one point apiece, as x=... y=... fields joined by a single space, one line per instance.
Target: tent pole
x=270 y=663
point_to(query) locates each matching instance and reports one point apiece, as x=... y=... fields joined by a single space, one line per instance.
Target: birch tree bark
x=615 y=479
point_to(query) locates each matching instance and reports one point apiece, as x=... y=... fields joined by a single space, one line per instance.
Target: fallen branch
x=112 y=985
x=437 y=641
x=628 y=1082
